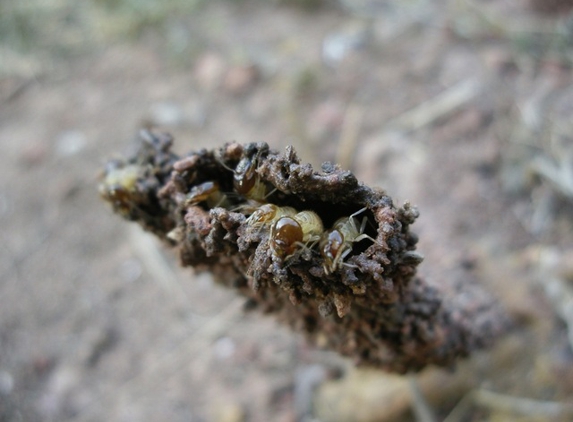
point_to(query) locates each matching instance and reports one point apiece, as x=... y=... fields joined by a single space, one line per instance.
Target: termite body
x=336 y=243
x=291 y=234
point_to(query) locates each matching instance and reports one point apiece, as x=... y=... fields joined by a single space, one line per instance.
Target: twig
x=520 y=405
x=349 y=135
x=420 y=405
x=523 y=25
x=557 y=290
x=509 y=404
x=560 y=175
x=437 y=107
x=461 y=409
x=307 y=380
x=146 y=248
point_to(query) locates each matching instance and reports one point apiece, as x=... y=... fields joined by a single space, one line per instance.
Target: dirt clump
x=326 y=254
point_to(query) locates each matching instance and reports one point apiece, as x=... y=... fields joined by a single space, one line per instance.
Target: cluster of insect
x=290 y=232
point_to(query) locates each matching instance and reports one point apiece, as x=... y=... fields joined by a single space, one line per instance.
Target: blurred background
x=462 y=107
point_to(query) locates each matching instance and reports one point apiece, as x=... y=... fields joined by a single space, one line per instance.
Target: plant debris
x=327 y=255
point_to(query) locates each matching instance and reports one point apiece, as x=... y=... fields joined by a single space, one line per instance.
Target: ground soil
x=453 y=110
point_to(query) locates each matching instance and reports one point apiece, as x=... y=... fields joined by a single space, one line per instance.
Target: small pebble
x=33 y=155
x=204 y=281
x=4 y=205
x=167 y=114
x=70 y=142
x=337 y=45
x=209 y=71
x=224 y=348
x=551 y=6
x=327 y=118
x=6 y=383
x=230 y=412
x=56 y=394
x=130 y=270
x=240 y=79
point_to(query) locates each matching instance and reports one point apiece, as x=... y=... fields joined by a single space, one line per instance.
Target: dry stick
x=349 y=135
x=509 y=404
x=522 y=406
x=461 y=409
x=523 y=25
x=420 y=405
x=557 y=290
x=146 y=248
x=560 y=175
x=440 y=106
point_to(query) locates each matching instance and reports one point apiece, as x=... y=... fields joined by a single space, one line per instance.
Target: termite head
x=208 y=192
x=263 y=214
x=331 y=245
x=286 y=236
x=245 y=175
x=336 y=243
x=333 y=248
x=290 y=234
x=268 y=213
x=201 y=192
x=247 y=182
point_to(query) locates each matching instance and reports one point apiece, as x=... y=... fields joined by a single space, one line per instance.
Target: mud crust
x=373 y=309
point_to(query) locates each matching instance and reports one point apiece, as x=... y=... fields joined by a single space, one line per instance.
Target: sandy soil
x=462 y=108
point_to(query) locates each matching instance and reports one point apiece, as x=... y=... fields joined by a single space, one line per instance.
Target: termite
x=208 y=192
x=246 y=180
x=293 y=233
x=119 y=187
x=336 y=243
x=267 y=214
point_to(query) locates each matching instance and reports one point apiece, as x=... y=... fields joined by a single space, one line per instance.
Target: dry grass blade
x=438 y=107
x=520 y=405
x=420 y=405
x=147 y=249
x=509 y=404
x=560 y=174
x=558 y=291
x=349 y=135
